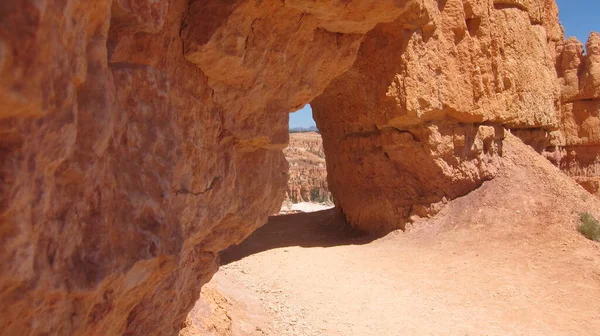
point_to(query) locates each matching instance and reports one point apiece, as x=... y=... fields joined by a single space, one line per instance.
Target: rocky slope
x=308 y=171
x=139 y=138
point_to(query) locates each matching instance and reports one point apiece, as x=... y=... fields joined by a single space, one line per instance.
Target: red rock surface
x=429 y=124
x=139 y=138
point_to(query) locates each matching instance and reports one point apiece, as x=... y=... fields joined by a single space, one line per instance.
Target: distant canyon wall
x=139 y=138
x=308 y=170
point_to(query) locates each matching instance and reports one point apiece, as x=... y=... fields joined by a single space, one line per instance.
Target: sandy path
x=401 y=285
x=503 y=260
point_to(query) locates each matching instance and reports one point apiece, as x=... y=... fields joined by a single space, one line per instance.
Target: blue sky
x=302 y=118
x=579 y=17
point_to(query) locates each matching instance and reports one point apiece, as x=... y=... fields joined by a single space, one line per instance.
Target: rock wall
x=120 y=171
x=139 y=138
x=420 y=117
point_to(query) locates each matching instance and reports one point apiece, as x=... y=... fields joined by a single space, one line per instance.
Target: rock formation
x=579 y=74
x=445 y=92
x=308 y=170
x=139 y=138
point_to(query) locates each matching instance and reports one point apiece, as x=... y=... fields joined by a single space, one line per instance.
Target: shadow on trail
x=325 y=228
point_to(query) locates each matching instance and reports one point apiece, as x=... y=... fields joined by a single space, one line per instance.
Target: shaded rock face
x=139 y=138
x=118 y=169
x=580 y=79
x=308 y=170
x=420 y=116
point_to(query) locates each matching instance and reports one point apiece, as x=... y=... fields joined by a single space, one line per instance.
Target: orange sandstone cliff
x=139 y=138
x=420 y=117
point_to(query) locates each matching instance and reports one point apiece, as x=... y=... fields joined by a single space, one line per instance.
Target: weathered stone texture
x=139 y=138
x=420 y=116
x=112 y=198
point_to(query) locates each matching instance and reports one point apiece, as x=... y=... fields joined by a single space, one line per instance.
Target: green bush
x=589 y=227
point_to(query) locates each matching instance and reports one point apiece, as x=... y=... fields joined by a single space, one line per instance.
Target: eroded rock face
x=580 y=78
x=420 y=116
x=114 y=203
x=139 y=138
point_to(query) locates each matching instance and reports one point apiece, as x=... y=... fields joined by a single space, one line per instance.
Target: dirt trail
x=503 y=260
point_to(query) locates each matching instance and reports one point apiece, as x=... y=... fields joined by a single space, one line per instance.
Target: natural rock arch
x=140 y=138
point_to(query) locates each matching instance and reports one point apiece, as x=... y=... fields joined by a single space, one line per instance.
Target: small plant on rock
x=589 y=227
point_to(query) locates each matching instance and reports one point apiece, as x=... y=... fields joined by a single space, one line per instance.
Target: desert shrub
x=589 y=226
